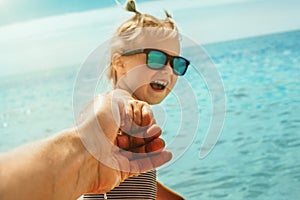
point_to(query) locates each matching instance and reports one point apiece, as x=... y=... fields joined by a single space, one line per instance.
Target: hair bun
x=168 y=15
x=130 y=6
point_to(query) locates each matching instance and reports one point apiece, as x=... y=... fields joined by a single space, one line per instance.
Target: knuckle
x=136 y=112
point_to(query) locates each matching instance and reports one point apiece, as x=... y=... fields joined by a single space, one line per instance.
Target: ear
x=118 y=64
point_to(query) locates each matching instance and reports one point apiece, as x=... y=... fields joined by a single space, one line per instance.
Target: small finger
x=137 y=142
x=128 y=119
x=139 y=132
x=123 y=141
x=147 y=115
x=152 y=132
x=156 y=145
x=137 y=112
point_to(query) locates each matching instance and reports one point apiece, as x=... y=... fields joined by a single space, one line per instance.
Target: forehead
x=156 y=38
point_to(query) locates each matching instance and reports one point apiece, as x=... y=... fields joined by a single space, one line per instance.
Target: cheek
x=174 y=80
x=134 y=61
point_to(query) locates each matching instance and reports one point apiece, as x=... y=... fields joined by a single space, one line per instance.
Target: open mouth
x=158 y=85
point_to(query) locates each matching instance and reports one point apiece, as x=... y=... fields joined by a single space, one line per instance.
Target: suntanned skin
x=60 y=167
x=165 y=193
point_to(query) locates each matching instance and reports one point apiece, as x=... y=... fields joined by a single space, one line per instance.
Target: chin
x=156 y=99
x=153 y=102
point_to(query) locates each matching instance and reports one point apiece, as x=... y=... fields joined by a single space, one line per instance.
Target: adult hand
x=86 y=158
x=120 y=154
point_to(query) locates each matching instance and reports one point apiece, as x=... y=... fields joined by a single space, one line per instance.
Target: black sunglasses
x=157 y=59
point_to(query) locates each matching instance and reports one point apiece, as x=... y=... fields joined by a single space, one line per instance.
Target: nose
x=167 y=68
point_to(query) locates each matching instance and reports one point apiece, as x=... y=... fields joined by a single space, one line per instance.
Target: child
x=145 y=63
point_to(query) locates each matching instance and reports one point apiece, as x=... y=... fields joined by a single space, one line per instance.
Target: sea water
x=257 y=154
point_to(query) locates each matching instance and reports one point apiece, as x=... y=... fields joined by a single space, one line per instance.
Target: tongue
x=157 y=86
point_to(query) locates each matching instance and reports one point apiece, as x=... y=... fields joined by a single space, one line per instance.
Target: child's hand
x=138 y=130
x=146 y=141
x=135 y=115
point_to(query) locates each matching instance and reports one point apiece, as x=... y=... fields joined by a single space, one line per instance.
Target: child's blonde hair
x=127 y=31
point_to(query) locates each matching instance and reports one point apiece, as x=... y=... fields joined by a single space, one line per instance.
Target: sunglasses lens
x=156 y=59
x=180 y=65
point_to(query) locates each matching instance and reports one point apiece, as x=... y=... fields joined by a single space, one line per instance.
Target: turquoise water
x=257 y=155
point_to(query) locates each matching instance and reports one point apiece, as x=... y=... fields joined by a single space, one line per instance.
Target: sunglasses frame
x=169 y=59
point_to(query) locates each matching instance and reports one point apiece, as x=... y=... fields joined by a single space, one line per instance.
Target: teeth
x=160 y=83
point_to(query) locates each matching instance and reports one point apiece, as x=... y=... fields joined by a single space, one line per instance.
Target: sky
x=43 y=34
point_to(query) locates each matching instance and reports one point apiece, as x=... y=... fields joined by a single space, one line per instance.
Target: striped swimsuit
x=138 y=187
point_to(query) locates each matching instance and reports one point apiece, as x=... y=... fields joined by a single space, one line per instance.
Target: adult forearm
x=61 y=168
x=55 y=168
